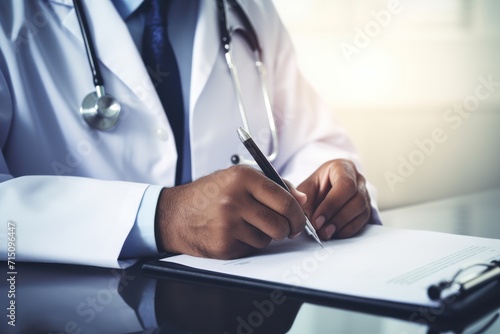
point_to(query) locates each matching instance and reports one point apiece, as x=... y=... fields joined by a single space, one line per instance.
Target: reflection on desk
x=75 y=299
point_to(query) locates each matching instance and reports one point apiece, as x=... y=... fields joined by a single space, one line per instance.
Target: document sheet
x=380 y=263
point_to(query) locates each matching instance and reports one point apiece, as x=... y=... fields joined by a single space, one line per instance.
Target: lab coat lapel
x=115 y=48
x=205 y=49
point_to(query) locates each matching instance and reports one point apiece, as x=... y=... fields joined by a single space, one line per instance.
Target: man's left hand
x=338 y=203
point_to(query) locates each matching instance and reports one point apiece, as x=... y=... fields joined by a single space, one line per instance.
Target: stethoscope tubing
x=249 y=34
x=101 y=111
x=89 y=46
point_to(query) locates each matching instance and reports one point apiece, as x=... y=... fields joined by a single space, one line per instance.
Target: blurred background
x=415 y=82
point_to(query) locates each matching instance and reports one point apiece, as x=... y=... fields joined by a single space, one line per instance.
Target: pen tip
x=315 y=236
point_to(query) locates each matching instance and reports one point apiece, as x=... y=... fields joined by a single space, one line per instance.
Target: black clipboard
x=454 y=312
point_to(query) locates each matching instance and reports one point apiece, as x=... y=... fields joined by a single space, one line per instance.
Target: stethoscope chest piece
x=100 y=111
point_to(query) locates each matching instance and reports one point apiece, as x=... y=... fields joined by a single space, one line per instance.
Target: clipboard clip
x=467 y=283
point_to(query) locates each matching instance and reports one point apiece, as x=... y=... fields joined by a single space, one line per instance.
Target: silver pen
x=270 y=172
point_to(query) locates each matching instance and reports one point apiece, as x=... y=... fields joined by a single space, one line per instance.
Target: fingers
x=253 y=236
x=243 y=211
x=354 y=226
x=310 y=188
x=298 y=195
x=341 y=205
x=344 y=200
x=269 y=212
x=285 y=206
x=271 y=223
x=344 y=187
x=244 y=239
x=349 y=220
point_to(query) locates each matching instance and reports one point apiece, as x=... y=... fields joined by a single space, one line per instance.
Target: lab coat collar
x=68 y=3
x=206 y=46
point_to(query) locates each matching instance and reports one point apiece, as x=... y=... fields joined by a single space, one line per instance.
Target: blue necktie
x=161 y=64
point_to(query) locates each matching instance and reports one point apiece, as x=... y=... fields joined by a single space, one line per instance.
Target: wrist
x=167 y=218
x=160 y=220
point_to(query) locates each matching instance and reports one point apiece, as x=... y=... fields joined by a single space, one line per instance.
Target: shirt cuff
x=141 y=241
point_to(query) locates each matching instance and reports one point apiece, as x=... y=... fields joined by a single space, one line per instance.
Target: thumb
x=308 y=187
x=299 y=195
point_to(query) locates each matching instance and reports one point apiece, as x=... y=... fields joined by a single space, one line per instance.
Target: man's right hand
x=227 y=214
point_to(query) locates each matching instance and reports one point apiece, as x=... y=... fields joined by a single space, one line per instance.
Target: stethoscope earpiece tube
x=100 y=110
x=247 y=32
x=223 y=29
x=251 y=36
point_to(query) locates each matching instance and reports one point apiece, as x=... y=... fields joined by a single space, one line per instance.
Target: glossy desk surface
x=76 y=299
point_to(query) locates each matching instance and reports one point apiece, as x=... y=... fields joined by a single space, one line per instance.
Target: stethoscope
x=101 y=111
x=249 y=35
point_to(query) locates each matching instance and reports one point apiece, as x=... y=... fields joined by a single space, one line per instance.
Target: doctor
x=81 y=195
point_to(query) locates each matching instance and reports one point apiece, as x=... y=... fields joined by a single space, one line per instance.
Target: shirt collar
x=126 y=7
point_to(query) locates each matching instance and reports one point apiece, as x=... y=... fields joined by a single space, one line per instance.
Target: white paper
x=380 y=263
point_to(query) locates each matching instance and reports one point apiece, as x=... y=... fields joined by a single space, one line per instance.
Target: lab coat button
x=161 y=133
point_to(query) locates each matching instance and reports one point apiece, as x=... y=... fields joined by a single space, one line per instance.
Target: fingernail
x=320 y=221
x=295 y=235
x=329 y=230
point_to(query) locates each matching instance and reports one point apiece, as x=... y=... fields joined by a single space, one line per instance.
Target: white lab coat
x=74 y=192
